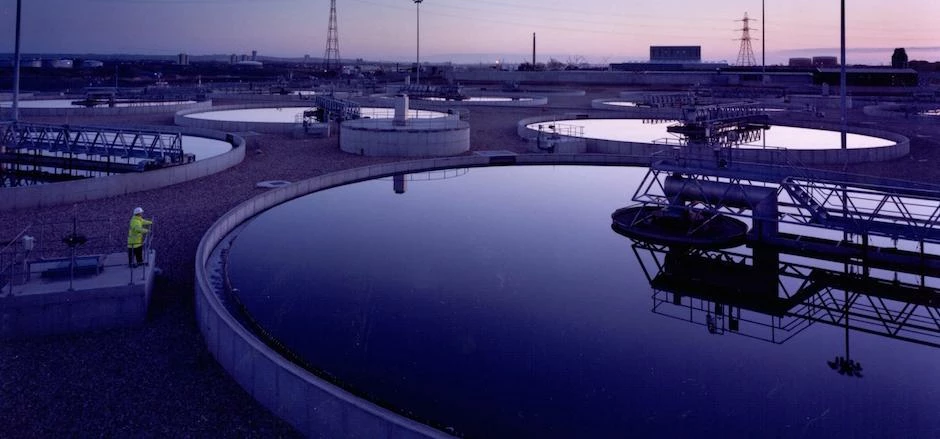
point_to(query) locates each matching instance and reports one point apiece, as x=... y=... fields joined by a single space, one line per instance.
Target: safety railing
x=67 y=251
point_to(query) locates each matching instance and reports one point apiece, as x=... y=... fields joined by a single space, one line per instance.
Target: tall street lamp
x=418 y=40
x=16 y=66
x=842 y=80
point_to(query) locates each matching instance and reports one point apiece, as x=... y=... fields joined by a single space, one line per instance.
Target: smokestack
x=533 y=49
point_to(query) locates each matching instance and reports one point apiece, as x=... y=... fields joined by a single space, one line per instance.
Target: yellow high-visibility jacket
x=135 y=236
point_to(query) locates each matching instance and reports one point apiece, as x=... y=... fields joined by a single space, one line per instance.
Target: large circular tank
x=781 y=144
x=265 y=118
x=501 y=304
x=71 y=107
x=212 y=152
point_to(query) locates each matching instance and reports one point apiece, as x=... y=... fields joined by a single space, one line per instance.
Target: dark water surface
x=500 y=303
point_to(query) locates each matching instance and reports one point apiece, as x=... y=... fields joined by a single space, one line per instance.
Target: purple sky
x=471 y=30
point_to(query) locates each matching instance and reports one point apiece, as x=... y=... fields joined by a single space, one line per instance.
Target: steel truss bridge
x=721 y=125
x=89 y=148
x=336 y=108
x=447 y=92
x=874 y=247
x=874 y=214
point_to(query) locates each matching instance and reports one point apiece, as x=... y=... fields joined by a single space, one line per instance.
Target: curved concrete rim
x=900 y=148
x=75 y=191
x=900 y=111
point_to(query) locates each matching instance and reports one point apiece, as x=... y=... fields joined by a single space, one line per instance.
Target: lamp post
x=763 y=38
x=842 y=81
x=418 y=41
x=16 y=66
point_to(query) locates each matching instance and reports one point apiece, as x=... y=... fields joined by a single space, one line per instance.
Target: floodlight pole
x=763 y=38
x=842 y=81
x=418 y=41
x=16 y=66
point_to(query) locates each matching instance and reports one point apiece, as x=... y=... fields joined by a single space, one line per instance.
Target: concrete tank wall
x=113 y=111
x=417 y=138
x=51 y=194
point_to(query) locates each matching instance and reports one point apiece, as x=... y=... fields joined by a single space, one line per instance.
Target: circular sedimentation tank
x=211 y=152
x=264 y=118
x=501 y=304
x=781 y=144
x=70 y=107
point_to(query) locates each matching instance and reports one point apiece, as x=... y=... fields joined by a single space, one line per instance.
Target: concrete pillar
x=401 y=110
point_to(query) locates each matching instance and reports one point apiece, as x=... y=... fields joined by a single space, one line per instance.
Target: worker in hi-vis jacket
x=135 y=237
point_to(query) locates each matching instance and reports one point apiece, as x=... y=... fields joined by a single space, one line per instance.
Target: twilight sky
x=471 y=30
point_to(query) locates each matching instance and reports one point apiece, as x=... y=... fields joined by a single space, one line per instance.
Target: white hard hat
x=138 y=210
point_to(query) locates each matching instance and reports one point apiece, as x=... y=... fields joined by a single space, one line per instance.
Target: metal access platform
x=90 y=148
x=337 y=108
x=446 y=92
x=799 y=208
x=721 y=125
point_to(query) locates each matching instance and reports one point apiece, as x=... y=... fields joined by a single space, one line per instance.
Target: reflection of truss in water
x=757 y=295
x=14 y=175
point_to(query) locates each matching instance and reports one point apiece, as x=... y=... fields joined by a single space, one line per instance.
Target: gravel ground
x=158 y=379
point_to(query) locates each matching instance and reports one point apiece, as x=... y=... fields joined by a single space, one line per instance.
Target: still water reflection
x=646 y=131
x=500 y=303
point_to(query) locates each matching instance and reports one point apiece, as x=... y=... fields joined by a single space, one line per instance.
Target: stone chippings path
x=158 y=379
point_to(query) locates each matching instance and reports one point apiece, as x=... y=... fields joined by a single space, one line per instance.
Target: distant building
x=254 y=55
x=92 y=64
x=675 y=54
x=233 y=59
x=825 y=61
x=800 y=62
x=182 y=59
x=868 y=77
x=899 y=58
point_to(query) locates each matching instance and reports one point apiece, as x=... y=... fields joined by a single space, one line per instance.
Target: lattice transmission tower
x=746 y=52
x=331 y=56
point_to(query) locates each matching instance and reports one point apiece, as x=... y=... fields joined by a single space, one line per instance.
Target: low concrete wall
x=590 y=77
x=902 y=111
x=92 y=305
x=52 y=194
x=796 y=157
x=114 y=111
x=419 y=138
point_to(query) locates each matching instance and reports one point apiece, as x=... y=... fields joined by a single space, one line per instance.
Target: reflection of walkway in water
x=773 y=293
